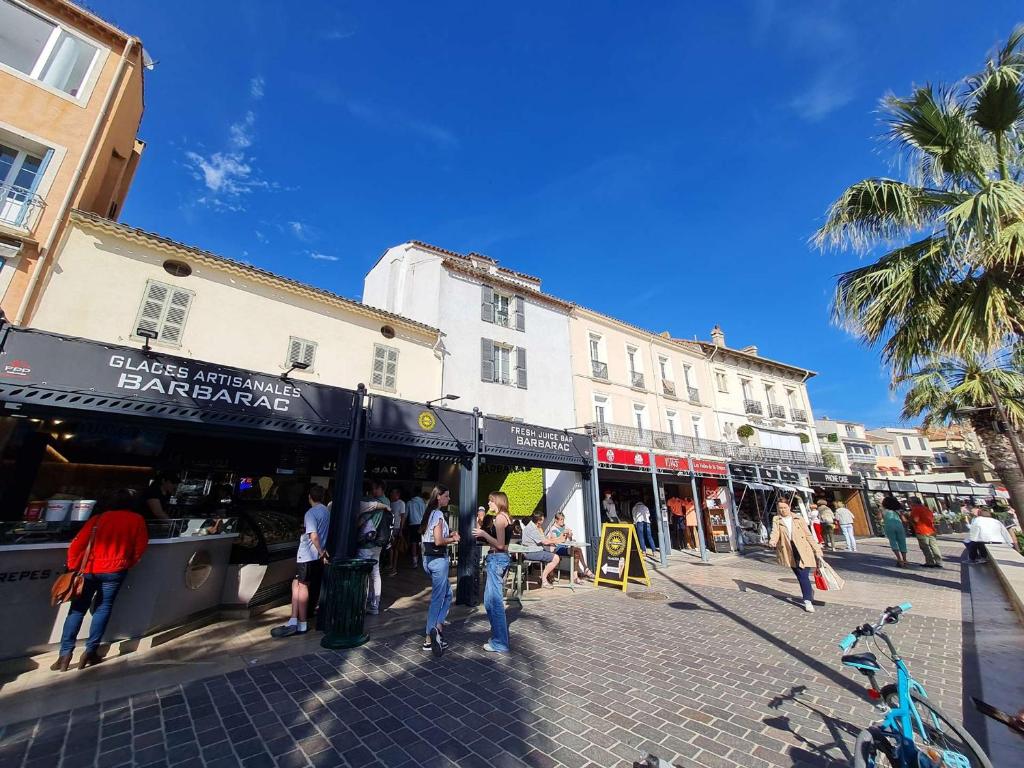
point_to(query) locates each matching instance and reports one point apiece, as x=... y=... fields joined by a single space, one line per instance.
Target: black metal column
x=348 y=485
x=466 y=587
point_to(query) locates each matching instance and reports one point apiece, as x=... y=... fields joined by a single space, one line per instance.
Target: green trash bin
x=343 y=605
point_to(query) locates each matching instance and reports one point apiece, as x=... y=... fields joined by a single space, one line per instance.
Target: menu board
x=619 y=558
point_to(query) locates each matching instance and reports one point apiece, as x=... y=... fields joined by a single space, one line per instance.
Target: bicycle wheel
x=940 y=730
x=873 y=750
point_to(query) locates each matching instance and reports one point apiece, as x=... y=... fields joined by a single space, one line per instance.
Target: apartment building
x=762 y=397
x=845 y=446
x=910 y=446
x=121 y=285
x=72 y=100
x=956 y=448
x=636 y=388
x=887 y=462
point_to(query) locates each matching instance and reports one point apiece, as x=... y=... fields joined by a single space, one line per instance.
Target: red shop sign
x=706 y=467
x=623 y=457
x=671 y=463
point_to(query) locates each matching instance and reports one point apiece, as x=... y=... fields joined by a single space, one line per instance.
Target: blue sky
x=662 y=162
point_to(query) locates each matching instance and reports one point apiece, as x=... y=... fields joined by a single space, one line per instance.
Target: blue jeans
x=108 y=585
x=643 y=533
x=440 y=592
x=494 y=601
x=803 y=575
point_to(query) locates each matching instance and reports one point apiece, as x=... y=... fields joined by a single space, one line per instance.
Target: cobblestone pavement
x=720 y=668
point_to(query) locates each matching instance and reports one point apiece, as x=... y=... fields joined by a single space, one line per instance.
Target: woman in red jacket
x=119 y=541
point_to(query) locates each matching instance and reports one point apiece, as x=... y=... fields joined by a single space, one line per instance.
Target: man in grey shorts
x=533 y=536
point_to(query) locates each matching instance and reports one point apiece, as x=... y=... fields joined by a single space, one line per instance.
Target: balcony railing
x=668 y=387
x=654 y=440
x=600 y=369
x=19 y=208
x=752 y=406
x=694 y=395
x=799 y=414
x=637 y=379
x=776 y=411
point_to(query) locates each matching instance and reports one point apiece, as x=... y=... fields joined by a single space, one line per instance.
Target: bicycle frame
x=904 y=719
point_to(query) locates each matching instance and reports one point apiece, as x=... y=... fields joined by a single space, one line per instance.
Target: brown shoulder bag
x=69 y=584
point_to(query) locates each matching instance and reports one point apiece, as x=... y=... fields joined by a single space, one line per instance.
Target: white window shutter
x=486 y=360
x=152 y=309
x=309 y=353
x=377 y=374
x=163 y=311
x=391 y=369
x=294 y=351
x=520 y=378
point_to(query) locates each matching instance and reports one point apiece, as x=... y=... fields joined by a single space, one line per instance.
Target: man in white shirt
x=397 y=523
x=985 y=530
x=845 y=519
x=642 y=521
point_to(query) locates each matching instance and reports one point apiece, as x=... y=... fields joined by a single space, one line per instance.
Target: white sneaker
x=808 y=606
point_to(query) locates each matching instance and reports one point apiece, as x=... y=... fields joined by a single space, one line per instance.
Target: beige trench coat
x=806 y=545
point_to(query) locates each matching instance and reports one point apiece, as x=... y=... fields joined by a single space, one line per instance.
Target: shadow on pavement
x=836 y=727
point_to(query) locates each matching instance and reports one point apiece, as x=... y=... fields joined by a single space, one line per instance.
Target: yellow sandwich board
x=619 y=558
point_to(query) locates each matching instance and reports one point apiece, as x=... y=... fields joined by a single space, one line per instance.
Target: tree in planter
x=830 y=460
x=970 y=387
x=744 y=433
x=804 y=438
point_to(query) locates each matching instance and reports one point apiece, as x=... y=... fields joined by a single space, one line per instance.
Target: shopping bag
x=819 y=581
x=832 y=579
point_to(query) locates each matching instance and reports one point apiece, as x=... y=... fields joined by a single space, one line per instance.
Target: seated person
x=533 y=536
x=985 y=530
x=558 y=530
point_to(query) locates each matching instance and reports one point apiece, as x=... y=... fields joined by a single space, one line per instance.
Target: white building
x=911 y=446
x=110 y=281
x=506 y=343
x=764 y=395
x=848 y=445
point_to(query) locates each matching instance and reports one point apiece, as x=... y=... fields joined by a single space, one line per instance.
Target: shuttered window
x=502 y=364
x=384 y=375
x=163 y=311
x=502 y=309
x=300 y=351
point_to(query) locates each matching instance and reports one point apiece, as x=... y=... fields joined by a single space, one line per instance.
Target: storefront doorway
x=847 y=490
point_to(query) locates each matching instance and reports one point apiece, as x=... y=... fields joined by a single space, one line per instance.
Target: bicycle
x=914 y=732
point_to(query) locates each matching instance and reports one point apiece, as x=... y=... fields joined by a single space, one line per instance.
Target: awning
x=755 y=486
x=805 y=489
x=786 y=488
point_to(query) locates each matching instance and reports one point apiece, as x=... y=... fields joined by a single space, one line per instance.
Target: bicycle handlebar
x=889 y=616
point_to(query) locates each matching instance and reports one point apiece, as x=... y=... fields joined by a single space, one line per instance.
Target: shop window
x=42 y=50
x=163 y=311
x=300 y=351
x=385 y=368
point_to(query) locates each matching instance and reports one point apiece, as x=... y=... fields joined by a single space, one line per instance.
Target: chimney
x=750 y=350
x=717 y=337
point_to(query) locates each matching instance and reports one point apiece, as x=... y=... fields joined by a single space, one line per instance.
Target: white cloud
x=828 y=92
x=322 y=256
x=242 y=132
x=256 y=88
x=302 y=231
x=261 y=237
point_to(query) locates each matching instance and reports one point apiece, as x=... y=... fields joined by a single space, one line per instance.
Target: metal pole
x=592 y=509
x=663 y=540
x=700 y=519
x=469 y=485
x=348 y=485
x=735 y=514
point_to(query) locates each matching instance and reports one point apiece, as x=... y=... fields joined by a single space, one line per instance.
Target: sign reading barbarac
x=93 y=376
x=539 y=446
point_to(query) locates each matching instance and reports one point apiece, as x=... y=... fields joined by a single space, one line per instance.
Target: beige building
x=116 y=284
x=909 y=445
x=956 y=448
x=638 y=388
x=887 y=462
x=71 y=99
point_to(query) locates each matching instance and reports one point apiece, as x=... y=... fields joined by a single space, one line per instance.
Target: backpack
x=381 y=535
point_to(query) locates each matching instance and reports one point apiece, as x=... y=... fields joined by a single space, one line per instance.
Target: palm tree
x=971 y=387
x=949 y=276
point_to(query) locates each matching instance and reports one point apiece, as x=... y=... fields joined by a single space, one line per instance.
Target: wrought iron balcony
x=694 y=395
x=776 y=411
x=600 y=369
x=637 y=380
x=654 y=440
x=20 y=208
x=753 y=406
x=799 y=414
x=668 y=387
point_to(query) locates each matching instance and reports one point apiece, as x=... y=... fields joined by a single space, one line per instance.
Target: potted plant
x=745 y=433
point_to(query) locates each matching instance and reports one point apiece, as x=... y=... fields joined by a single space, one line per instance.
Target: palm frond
x=984 y=214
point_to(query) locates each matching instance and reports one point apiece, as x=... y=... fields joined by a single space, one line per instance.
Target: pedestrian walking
x=415 y=510
x=495 y=532
x=371 y=519
x=828 y=524
x=397 y=524
x=642 y=521
x=845 y=519
x=103 y=551
x=797 y=549
x=309 y=562
x=814 y=517
x=924 y=530
x=435 y=538
x=895 y=530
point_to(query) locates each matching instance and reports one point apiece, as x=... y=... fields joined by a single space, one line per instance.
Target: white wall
x=97 y=286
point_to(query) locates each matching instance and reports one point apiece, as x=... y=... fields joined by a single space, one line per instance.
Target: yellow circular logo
x=615 y=544
x=427 y=421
